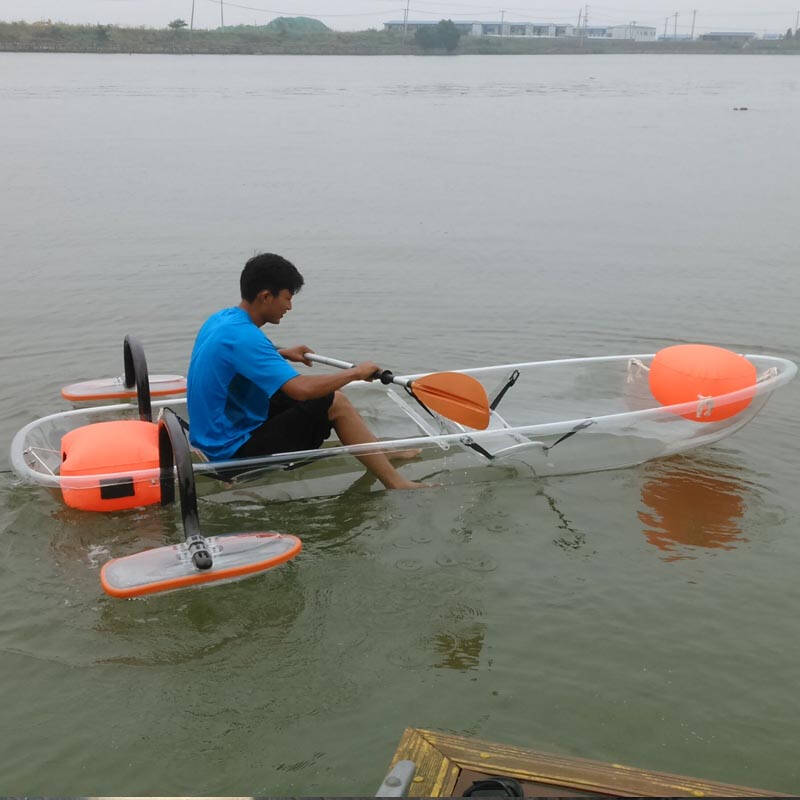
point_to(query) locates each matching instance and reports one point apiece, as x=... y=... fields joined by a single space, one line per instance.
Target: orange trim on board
x=199 y=577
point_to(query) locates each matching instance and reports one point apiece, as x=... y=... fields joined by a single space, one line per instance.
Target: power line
x=718 y=14
x=523 y=14
x=304 y=13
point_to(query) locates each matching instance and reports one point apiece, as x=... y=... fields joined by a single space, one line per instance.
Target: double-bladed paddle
x=454 y=395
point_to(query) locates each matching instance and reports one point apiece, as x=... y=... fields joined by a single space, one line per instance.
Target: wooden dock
x=446 y=765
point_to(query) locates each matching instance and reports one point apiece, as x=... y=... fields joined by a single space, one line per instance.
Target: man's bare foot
x=403 y=455
x=414 y=485
x=402 y=483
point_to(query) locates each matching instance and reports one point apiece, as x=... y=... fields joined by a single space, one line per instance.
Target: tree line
x=296 y=36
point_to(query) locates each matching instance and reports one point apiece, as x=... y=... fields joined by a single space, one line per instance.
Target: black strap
x=579 y=427
x=495 y=786
x=478 y=449
x=512 y=379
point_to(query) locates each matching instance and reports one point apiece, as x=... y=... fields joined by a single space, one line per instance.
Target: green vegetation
x=304 y=36
x=296 y=26
x=444 y=35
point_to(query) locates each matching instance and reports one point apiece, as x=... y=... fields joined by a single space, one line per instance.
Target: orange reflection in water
x=692 y=505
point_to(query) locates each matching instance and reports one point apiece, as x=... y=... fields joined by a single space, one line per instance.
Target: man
x=244 y=397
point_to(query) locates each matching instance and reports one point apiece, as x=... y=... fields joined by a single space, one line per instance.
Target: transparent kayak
x=547 y=418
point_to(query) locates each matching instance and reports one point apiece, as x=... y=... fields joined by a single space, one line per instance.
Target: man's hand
x=297 y=354
x=367 y=370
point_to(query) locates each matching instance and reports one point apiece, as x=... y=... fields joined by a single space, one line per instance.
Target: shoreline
x=49 y=37
x=310 y=51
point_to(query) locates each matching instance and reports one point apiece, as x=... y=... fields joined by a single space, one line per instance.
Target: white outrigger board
x=165 y=569
x=115 y=389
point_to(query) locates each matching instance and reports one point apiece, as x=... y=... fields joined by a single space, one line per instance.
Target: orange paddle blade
x=459 y=397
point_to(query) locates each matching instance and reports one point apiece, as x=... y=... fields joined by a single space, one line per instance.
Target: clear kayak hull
x=548 y=418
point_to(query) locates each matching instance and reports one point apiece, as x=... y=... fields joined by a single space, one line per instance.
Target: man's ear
x=265 y=294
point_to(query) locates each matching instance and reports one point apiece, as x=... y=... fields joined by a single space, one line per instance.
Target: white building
x=536 y=30
x=631 y=31
x=735 y=37
x=637 y=33
x=543 y=30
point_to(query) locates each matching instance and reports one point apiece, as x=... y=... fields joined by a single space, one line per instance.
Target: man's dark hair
x=271 y=272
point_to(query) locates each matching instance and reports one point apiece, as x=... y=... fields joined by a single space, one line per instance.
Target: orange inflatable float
x=111 y=449
x=699 y=372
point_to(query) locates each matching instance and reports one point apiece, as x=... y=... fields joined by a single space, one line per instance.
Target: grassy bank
x=50 y=37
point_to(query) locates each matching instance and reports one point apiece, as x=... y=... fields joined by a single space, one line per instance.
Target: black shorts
x=291 y=425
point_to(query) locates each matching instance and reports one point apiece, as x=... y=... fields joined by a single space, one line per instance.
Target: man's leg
x=351 y=429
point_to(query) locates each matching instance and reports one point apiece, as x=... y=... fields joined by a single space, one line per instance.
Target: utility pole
x=666 y=22
x=221 y=15
x=191 y=28
x=502 y=22
x=405 y=21
x=797 y=22
x=694 y=18
x=675 y=32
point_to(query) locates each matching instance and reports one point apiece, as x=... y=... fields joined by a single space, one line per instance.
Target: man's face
x=273 y=307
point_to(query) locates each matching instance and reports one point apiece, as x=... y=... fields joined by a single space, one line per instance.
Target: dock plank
x=446 y=763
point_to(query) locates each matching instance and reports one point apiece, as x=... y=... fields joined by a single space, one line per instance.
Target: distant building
x=538 y=30
x=592 y=31
x=631 y=32
x=675 y=37
x=412 y=25
x=495 y=28
x=638 y=33
x=728 y=36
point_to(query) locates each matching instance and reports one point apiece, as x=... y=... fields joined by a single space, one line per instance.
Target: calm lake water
x=446 y=213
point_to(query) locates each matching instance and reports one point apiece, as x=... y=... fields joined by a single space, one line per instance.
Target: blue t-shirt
x=233 y=373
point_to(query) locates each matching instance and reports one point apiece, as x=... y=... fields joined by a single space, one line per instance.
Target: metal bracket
x=396 y=783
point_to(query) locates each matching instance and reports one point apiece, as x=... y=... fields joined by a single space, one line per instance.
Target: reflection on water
x=571 y=539
x=182 y=627
x=462 y=649
x=693 y=502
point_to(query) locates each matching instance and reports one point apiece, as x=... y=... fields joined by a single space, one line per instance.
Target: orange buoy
x=109 y=450
x=699 y=372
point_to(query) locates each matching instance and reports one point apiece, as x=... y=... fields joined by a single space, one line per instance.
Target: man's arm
x=307 y=387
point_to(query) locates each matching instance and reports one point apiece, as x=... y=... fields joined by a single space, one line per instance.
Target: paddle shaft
x=461 y=398
x=386 y=376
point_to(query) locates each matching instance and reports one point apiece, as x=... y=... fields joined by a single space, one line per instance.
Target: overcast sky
x=747 y=15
